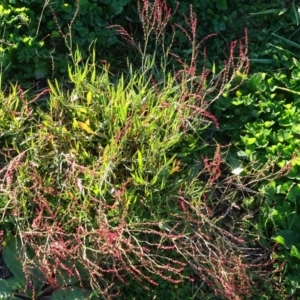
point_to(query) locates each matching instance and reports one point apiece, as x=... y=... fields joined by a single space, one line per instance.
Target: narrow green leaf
x=265 y=61
x=284 y=10
x=289 y=42
x=214 y=68
x=268 y=11
x=296 y=13
x=140 y=160
x=52 y=88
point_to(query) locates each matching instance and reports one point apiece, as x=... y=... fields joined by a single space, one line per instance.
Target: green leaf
x=237 y=101
x=140 y=160
x=296 y=63
x=279 y=240
x=63 y=278
x=255 y=80
x=248 y=140
x=71 y=293
x=268 y=11
x=11 y=255
x=287 y=238
x=214 y=68
x=294 y=172
x=283 y=11
x=296 y=12
x=40 y=73
x=287 y=41
x=296 y=128
x=294 y=193
x=295 y=252
x=38 y=278
x=268 y=123
x=55 y=34
x=6 y=289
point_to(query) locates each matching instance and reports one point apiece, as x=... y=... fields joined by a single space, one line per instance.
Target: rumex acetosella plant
x=114 y=181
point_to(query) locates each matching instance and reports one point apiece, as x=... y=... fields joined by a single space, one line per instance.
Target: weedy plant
x=117 y=178
x=33 y=285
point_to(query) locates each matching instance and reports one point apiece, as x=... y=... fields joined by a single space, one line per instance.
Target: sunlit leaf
x=295 y=252
x=248 y=140
x=89 y=97
x=237 y=171
x=85 y=127
x=140 y=160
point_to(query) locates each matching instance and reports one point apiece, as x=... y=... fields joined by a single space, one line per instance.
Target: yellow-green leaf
x=140 y=160
x=52 y=89
x=85 y=127
x=89 y=97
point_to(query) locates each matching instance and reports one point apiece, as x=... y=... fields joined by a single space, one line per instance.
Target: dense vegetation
x=149 y=150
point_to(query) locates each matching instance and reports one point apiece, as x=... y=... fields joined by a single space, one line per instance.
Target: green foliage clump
x=37 y=37
x=266 y=133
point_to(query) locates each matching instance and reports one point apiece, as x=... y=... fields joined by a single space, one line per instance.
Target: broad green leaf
x=40 y=73
x=295 y=252
x=296 y=62
x=63 y=278
x=237 y=101
x=6 y=288
x=248 y=140
x=294 y=172
x=296 y=161
x=287 y=238
x=255 y=80
x=12 y=256
x=72 y=293
x=268 y=123
x=279 y=240
x=38 y=278
x=55 y=34
x=294 y=193
x=296 y=128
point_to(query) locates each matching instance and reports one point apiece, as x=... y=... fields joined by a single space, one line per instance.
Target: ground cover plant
x=37 y=38
x=121 y=185
x=268 y=136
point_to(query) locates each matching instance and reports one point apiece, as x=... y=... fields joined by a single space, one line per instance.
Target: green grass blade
x=289 y=42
